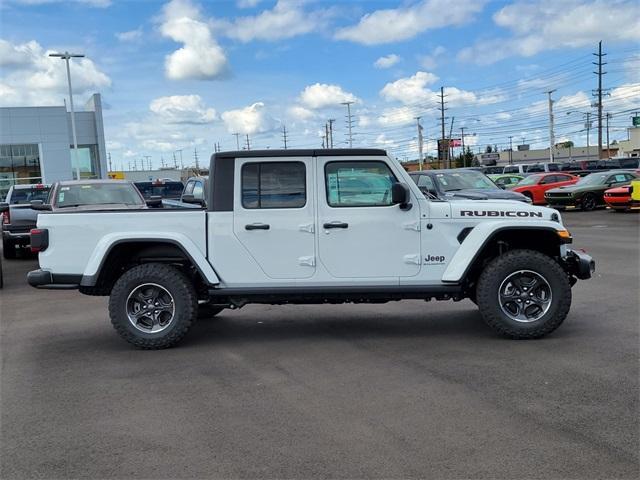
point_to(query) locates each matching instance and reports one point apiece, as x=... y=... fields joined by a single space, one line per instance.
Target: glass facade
x=88 y=159
x=19 y=164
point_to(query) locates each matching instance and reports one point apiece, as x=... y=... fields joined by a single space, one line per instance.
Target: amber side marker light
x=565 y=236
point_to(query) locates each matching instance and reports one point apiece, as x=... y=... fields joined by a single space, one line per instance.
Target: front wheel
x=589 y=202
x=524 y=294
x=153 y=305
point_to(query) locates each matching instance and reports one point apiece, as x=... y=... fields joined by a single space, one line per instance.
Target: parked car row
x=582 y=167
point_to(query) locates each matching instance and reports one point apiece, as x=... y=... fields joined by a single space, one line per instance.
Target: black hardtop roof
x=307 y=152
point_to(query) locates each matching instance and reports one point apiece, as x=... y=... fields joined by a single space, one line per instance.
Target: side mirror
x=401 y=195
x=39 y=205
x=4 y=207
x=154 y=201
x=189 y=198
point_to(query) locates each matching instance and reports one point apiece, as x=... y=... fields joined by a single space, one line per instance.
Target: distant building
x=630 y=147
x=36 y=144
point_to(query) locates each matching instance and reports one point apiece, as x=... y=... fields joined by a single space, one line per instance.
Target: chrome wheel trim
x=525 y=296
x=150 y=308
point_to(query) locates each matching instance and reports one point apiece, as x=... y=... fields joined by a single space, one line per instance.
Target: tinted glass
x=510 y=169
x=27 y=195
x=188 y=190
x=358 y=184
x=274 y=185
x=464 y=180
x=97 y=194
x=165 y=190
x=530 y=180
x=535 y=168
x=563 y=178
x=553 y=167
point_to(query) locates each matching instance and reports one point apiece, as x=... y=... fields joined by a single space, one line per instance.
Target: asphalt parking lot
x=408 y=389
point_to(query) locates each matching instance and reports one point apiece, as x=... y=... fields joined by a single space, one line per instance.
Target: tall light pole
x=551 y=137
x=66 y=56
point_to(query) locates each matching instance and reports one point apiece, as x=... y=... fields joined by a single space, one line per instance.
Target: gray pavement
x=406 y=389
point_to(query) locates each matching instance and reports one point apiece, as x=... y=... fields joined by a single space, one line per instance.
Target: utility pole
x=442 y=153
x=111 y=165
x=510 y=150
x=349 y=122
x=284 y=136
x=326 y=133
x=450 y=143
x=464 y=153
x=195 y=157
x=608 y=117
x=175 y=162
x=148 y=159
x=600 y=73
x=237 y=135
x=551 y=137
x=588 y=125
x=248 y=144
x=419 y=143
x=331 y=120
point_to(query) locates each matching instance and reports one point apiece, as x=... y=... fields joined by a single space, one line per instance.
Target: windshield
x=27 y=195
x=531 y=180
x=97 y=194
x=452 y=181
x=593 y=179
x=165 y=190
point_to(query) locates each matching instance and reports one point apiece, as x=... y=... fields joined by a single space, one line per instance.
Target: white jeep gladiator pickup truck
x=312 y=226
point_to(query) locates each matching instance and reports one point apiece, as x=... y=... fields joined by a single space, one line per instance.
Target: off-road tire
x=9 y=249
x=591 y=204
x=206 y=311
x=503 y=266
x=172 y=280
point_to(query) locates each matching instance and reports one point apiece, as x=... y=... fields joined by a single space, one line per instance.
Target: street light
x=66 y=56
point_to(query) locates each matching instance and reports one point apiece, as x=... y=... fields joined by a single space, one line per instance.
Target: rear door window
x=274 y=185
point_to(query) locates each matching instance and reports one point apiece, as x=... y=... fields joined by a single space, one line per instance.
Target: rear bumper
x=48 y=280
x=17 y=237
x=579 y=264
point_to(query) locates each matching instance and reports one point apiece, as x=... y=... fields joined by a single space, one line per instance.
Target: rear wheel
x=524 y=294
x=589 y=202
x=9 y=249
x=152 y=306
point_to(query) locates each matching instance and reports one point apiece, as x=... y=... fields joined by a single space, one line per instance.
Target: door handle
x=336 y=225
x=257 y=226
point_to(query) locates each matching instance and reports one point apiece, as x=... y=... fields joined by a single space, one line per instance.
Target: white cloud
x=31 y=77
x=183 y=109
x=410 y=90
x=300 y=113
x=397 y=24
x=286 y=19
x=249 y=120
x=321 y=95
x=552 y=24
x=129 y=36
x=387 y=61
x=200 y=57
x=624 y=97
x=397 y=116
x=430 y=61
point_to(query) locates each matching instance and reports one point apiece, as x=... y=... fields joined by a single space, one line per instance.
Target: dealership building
x=36 y=144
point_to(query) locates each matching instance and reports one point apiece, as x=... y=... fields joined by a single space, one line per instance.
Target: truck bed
x=79 y=240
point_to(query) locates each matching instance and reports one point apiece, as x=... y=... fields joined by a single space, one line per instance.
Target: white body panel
x=384 y=246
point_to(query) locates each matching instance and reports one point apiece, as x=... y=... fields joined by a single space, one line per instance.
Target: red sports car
x=534 y=186
x=620 y=198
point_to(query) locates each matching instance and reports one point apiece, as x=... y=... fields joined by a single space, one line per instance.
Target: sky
x=182 y=76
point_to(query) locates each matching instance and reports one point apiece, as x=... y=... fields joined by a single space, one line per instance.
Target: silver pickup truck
x=17 y=216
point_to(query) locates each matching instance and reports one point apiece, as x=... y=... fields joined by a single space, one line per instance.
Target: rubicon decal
x=498 y=213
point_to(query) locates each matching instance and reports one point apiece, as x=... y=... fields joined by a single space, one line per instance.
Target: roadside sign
x=636 y=121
